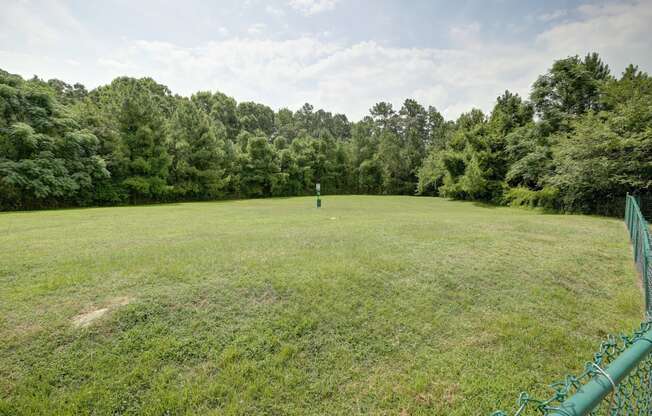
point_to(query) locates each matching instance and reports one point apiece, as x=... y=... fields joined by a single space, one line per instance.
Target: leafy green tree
x=136 y=108
x=529 y=156
x=608 y=153
x=46 y=159
x=384 y=117
x=196 y=146
x=68 y=94
x=477 y=159
x=318 y=124
x=133 y=141
x=439 y=130
x=432 y=171
x=222 y=110
x=431 y=174
x=469 y=147
x=415 y=137
x=394 y=164
x=254 y=116
x=290 y=180
x=569 y=89
x=633 y=88
x=599 y=163
x=365 y=168
x=284 y=124
x=510 y=112
x=304 y=119
x=340 y=127
x=257 y=168
x=303 y=153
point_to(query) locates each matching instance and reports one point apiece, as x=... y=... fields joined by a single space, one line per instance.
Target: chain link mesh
x=633 y=394
x=639 y=234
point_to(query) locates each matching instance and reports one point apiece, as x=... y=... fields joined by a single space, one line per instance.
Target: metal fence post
x=629 y=361
x=635 y=242
x=646 y=282
x=589 y=395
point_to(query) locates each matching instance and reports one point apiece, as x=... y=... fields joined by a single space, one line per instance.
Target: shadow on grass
x=538 y=210
x=148 y=204
x=76 y=208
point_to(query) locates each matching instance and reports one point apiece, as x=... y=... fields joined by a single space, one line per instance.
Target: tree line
x=578 y=144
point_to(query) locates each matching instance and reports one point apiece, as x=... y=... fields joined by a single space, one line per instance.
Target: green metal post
x=635 y=239
x=646 y=283
x=589 y=395
x=629 y=219
x=631 y=210
x=627 y=211
x=645 y=254
x=633 y=220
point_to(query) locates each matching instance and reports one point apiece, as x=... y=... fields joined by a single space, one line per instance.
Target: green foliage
x=545 y=198
x=256 y=168
x=589 y=146
x=221 y=109
x=138 y=108
x=529 y=156
x=46 y=159
x=475 y=162
x=569 y=89
x=68 y=94
x=431 y=174
x=198 y=154
x=254 y=116
x=509 y=113
x=600 y=161
x=583 y=133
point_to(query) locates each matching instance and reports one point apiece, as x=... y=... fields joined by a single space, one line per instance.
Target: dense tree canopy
x=579 y=145
x=581 y=141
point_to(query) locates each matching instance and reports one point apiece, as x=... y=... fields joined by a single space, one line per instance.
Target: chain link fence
x=618 y=381
x=639 y=233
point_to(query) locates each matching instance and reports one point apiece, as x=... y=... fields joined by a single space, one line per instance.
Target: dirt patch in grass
x=85 y=319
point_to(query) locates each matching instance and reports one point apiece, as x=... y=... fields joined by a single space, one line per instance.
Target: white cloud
x=346 y=77
x=256 y=28
x=112 y=64
x=342 y=78
x=19 y=23
x=466 y=35
x=618 y=32
x=310 y=7
x=274 y=11
x=553 y=15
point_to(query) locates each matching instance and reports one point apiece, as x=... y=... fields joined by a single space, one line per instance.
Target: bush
x=545 y=198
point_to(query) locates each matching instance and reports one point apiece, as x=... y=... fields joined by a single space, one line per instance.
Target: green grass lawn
x=369 y=305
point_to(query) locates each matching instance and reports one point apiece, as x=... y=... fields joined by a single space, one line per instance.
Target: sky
x=340 y=55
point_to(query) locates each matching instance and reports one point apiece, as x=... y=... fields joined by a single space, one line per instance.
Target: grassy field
x=370 y=305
